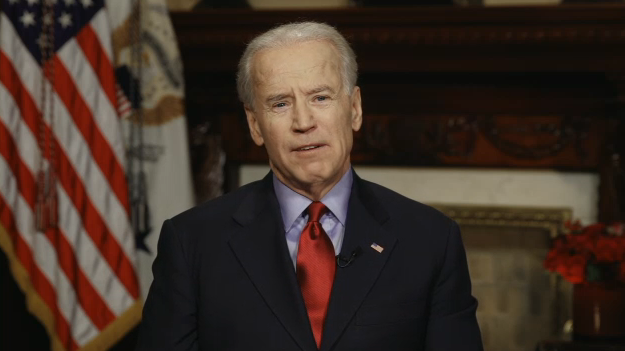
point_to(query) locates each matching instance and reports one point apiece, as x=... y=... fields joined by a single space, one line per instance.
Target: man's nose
x=303 y=117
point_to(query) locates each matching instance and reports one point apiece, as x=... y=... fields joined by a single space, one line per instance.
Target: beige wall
x=579 y=191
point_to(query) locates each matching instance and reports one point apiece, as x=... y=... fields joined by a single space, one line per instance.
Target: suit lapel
x=260 y=246
x=363 y=228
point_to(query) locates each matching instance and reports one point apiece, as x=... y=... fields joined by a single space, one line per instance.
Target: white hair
x=289 y=34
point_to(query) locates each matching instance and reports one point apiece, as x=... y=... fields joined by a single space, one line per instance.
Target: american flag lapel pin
x=377 y=247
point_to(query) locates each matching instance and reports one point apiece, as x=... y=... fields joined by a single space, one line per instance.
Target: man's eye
x=321 y=98
x=280 y=104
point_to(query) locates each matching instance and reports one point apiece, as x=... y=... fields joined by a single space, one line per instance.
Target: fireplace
x=520 y=303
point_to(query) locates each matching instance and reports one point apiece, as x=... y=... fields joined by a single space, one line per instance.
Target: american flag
x=59 y=125
x=377 y=247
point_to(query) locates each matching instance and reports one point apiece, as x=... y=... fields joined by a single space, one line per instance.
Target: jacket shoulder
x=216 y=210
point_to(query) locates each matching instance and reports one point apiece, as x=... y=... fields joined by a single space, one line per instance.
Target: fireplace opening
x=520 y=303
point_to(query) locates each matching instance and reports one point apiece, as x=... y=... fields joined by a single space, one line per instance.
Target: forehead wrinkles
x=273 y=67
x=303 y=80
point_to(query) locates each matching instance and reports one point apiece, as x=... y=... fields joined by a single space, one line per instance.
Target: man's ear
x=252 y=122
x=356 y=109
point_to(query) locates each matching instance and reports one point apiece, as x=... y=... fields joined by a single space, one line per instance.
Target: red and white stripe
x=85 y=271
x=70 y=221
x=124 y=108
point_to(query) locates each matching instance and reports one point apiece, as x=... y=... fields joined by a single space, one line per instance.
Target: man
x=256 y=269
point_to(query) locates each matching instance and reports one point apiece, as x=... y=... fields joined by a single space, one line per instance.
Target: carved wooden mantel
x=526 y=87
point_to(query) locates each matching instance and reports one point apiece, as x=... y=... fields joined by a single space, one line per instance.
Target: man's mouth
x=308 y=147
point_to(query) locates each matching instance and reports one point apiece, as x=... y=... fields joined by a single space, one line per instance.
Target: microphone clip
x=343 y=262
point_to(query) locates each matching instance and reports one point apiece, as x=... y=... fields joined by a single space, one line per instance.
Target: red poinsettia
x=589 y=253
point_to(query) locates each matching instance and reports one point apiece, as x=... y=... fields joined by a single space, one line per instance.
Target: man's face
x=303 y=115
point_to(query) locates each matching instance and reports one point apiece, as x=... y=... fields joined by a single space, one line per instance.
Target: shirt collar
x=293 y=204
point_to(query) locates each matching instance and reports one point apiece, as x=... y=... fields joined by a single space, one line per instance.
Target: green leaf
x=593 y=273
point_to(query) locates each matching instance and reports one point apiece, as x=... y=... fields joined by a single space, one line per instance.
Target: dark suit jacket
x=223 y=279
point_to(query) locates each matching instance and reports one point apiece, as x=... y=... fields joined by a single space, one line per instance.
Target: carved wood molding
x=214 y=40
x=473 y=35
x=470 y=34
x=479 y=141
x=555 y=135
x=407 y=25
x=513 y=141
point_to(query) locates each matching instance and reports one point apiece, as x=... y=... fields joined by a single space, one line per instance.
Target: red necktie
x=315 y=268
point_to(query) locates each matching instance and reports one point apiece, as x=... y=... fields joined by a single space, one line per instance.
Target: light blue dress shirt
x=294 y=205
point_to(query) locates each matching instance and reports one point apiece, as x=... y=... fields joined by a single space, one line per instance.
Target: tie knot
x=316 y=210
